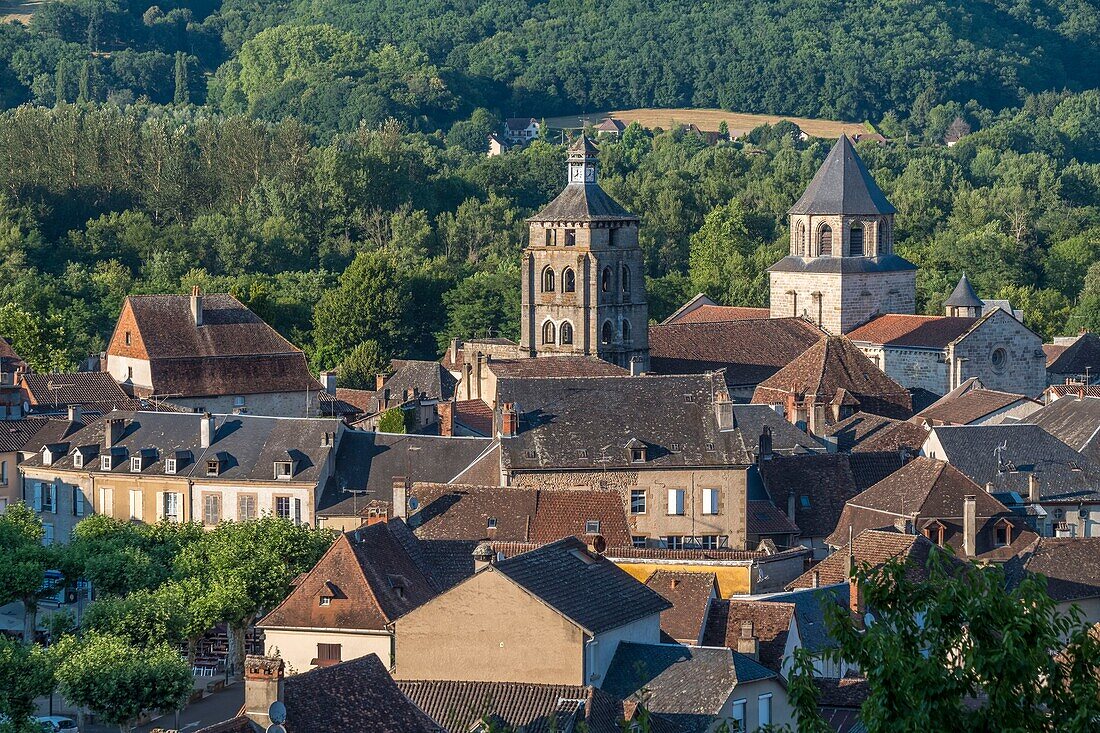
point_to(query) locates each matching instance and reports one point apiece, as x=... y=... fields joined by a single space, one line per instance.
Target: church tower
x=583 y=274
x=842 y=270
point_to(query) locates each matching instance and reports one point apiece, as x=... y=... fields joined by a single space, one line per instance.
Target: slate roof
x=832 y=364
x=462 y=512
x=764 y=518
x=970 y=406
x=963 y=296
x=687 y=685
x=690 y=595
x=1073 y=420
x=1071 y=360
x=833 y=265
x=554 y=366
x=459 y=706
x=368 y=462
x=581 y=201
x=928 y=492
x=1063 y=473
x=232 y=352
x=928 y=332
x=250 y=445
x=864 y=432
x=873 y=547
x=842 y=185
x=427 y=378
x=355 y=695
x=771 y=625
x=1071 y=566
x=809 y=611
x=587 y=589
x=370 y=576
x=869 y=468
x=749 y=350
x=827 y=481
x=579 y=423
x=31 y=433
x=97 y=390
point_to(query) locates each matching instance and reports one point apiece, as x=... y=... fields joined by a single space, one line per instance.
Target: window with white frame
x=283 y=507
x=136 y=509
x=78 y=459
x=738 y=715
x=673 y=541
x=171 y=506
x=709 y=542
x=135 y=464
x=710 y=501
x=105 y=463
x=676 y=502
x=764 y=710
x=592 y=526
x=170 y=465
x=283 y=470
x=637 y=501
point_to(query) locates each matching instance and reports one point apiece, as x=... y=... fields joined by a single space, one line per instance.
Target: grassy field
x=17 y=10
x=708 y=119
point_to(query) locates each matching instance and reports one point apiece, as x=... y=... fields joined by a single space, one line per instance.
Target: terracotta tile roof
x=554 y=366
x=832 y=364
x=821 y=484
x=843 y=692
x=970 y=406
x=865 y=432
x=464 y=512
x=475 y=415
x=1072 y=359
x=585 y=588
x=875 y=548
x=460 y=706
x=690 y=595
x=1071 y=566
x=370 y=578
x=771 y=625
x=355 y=695
x=927 y=493
x=930 y=332
x=765 y=518
x=1062 y=390
x=711 y=313
x=96 y=389
x=749 y=350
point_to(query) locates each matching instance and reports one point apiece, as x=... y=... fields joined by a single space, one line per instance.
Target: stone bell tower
x=583 y=274
x=842 y=270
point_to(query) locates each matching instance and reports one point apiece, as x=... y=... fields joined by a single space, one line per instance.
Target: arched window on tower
x=626 y=279
x=548 y=332
x=548 y=280
x=626 y=331
x=800 y=240
x=607 y=333
x=825 y=241
x=605 y=280
x=855 y=240
x=566 y=333
x=568 y=281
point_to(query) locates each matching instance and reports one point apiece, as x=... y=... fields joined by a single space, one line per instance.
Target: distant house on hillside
x=497 y=145
x=521 y=130
x=610 y=127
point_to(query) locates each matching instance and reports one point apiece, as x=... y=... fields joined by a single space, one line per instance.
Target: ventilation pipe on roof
x=206 y=430
x=196 y=305
x=970 y=525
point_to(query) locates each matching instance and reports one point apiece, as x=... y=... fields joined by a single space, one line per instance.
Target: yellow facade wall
x=735 y=580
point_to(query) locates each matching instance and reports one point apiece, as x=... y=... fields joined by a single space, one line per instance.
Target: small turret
x=963 y=301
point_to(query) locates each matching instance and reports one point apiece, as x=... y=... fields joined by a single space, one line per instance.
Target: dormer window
x=78 y=459
x=637 y=455
x=213 y=467
x=1003 y=533
x=326 y=600
x=105 y=463
x=592 y=526
x=491 y=523
x=284 y=470
x=128 y=338
x=170 y=465
x=135 y=464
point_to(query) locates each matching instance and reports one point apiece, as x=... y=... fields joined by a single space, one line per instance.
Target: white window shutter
x=160 y=505
x=53 y=498
x=38 y=496
x=179 y=508
x=297 y=511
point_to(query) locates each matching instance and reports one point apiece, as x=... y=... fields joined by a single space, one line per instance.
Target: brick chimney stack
x=400 y=497
x=263 y=685
x=196 y=305
x=723 y=409
x=509 y=420
x=747 y=643
x=446 y=412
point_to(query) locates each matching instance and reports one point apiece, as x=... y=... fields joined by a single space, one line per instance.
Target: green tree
x=119 y=681
x=39 y=339
x=484 y=304
x=23 y=562
x=1086 y=314
x=245 y=568
x=182 y=90
x=959 y=651
x=26 y=672
x=359 y=368
x=395 y=420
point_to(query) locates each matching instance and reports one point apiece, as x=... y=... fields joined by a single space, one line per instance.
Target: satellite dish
x=276 y=728
x=414 y=503
x=277 y=713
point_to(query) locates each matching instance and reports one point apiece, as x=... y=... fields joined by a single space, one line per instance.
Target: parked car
x=57 y=724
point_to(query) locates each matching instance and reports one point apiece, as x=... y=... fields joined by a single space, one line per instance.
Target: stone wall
x=911 y=368
x=1003 y=353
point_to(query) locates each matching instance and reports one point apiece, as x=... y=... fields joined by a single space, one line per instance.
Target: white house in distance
x=521 y=130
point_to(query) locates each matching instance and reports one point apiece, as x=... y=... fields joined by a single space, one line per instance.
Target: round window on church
x=999 y=359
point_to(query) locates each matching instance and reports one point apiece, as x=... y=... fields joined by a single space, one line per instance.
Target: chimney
x=509 y=420
x=970 y=525
x=817 y=420
x=855 y=599
x=790 y=505
x=379 y=381
x=400 y=497
x=830 y=442
x=196 y=305
x=113 y=431
x=328 y=381
x=446 y=413
x=723 y=410
x=1033 y=488
x=747 y=643
x=636 y=366
x=74 y=413
x=206 y=430
x=454 y=350
x=816 y=576
x=483 y=556
x=263 y=685
x=765 y=449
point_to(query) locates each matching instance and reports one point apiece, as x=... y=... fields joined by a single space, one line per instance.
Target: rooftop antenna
x=999 y=452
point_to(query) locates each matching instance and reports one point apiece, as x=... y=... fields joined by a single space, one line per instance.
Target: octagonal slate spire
x=843 y=186
x=963 y=296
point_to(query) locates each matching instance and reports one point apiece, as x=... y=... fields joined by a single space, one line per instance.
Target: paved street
x=214 y=709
